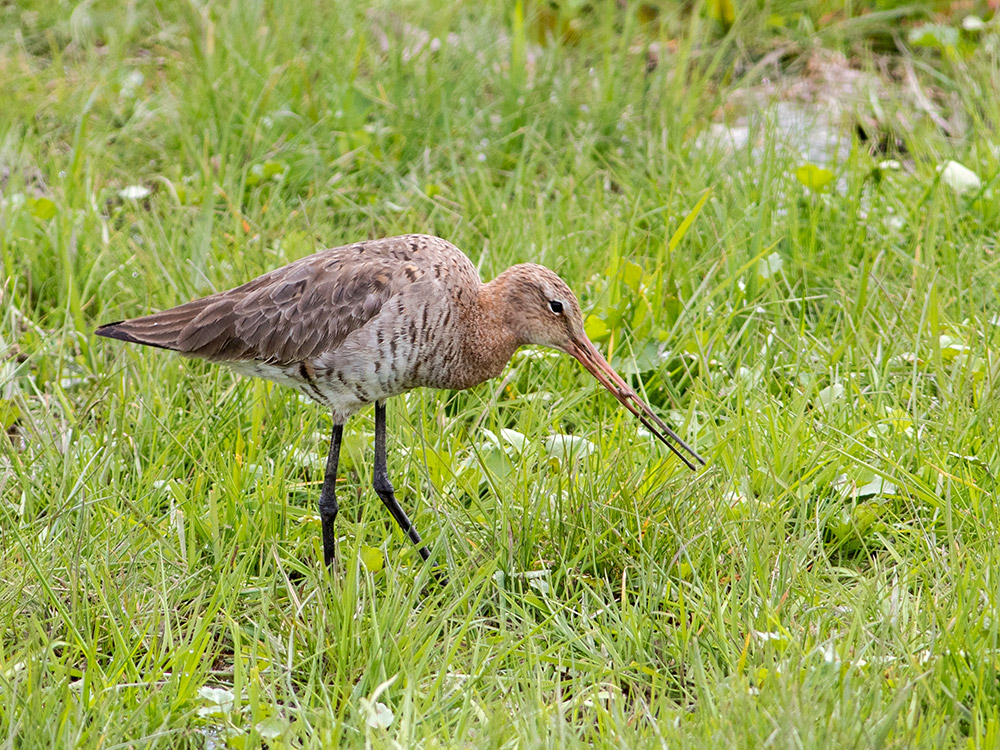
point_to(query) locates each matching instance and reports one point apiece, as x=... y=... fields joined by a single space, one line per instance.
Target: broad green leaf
x=439 y=466
x=900 y=419
x=640 y=360
x=830 y=395
x=514 y=439
x=853 y=526
x=274 y=169
x=269 y=170
x=595 y=328
x=632 y=275
x=494 y=458
x=219 y=701
x=535 y=601
x=642 y=318
x=813 y=177
x=865 y=517
x=568 y=447
x=951 y=347
x=10 y=412
x=42 y=208
x=723 y=11
x=878 y=486
x=372 y=558
x=841 y=526
x=934 y=35
x=255 y=175
x=273 y=728
x=469 y=478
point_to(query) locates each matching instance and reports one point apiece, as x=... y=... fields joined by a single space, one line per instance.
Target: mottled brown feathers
x=369 y=321
x=297 y=311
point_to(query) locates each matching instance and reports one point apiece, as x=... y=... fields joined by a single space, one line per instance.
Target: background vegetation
x=782 y=218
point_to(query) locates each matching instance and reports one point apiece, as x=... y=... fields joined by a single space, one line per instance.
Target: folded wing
x=288 y=315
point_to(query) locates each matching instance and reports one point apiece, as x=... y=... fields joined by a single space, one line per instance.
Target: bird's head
x=539 y=308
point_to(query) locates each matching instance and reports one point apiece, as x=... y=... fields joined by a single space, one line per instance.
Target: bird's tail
x=170 y=329
x=123 y=330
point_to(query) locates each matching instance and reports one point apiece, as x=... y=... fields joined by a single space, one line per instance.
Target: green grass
x=831 y=580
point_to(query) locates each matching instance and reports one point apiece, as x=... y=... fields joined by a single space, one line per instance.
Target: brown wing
x=296 y=311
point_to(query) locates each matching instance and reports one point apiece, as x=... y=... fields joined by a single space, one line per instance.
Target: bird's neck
x=491 y=340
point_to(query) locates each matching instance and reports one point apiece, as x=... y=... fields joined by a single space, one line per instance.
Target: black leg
x=328 y=496
x=384 y=487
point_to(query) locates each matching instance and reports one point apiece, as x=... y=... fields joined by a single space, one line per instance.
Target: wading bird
x=354 y=325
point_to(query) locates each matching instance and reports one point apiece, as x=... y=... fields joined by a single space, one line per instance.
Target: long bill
x=585 y=351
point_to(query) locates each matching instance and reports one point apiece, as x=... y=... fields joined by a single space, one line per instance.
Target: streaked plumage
x=354 y=325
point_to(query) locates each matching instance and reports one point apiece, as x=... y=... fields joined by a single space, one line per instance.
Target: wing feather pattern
x=294 y=312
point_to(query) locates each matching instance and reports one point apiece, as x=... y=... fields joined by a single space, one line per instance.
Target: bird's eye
x=555 y=306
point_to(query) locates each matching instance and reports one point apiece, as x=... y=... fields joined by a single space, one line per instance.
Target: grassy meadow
x=825 y=329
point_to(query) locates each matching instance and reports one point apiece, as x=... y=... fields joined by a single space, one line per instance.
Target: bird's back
x=347 y=326
x=305 y=308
